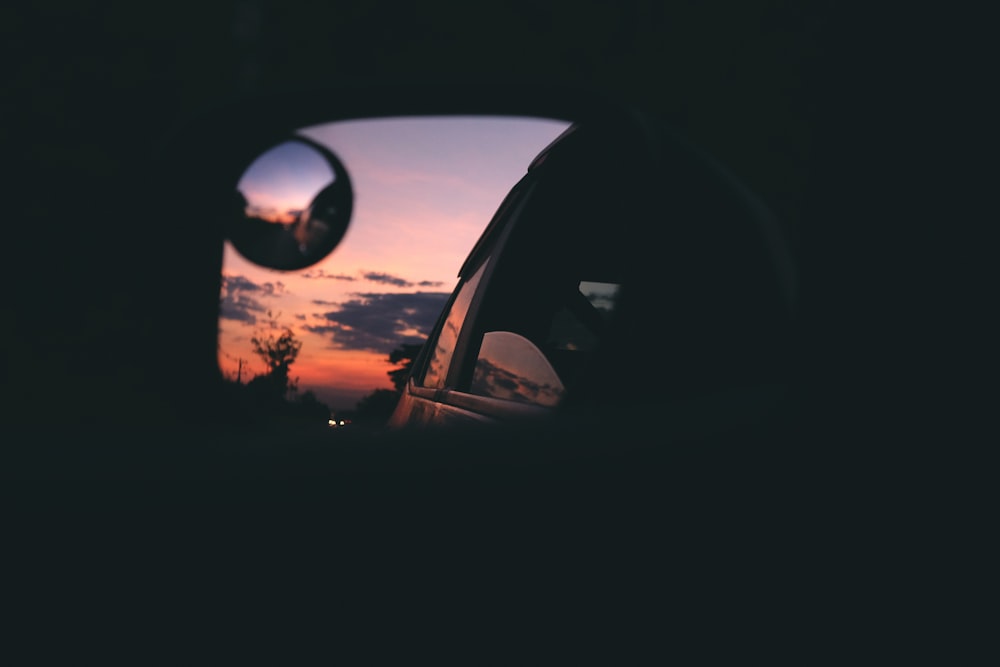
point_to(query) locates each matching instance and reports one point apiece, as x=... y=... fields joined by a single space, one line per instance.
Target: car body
x=533 y=324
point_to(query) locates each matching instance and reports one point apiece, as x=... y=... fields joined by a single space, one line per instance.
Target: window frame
x=455 y=393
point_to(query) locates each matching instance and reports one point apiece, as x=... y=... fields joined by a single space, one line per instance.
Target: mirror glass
x=334 y=336
x=294 y=203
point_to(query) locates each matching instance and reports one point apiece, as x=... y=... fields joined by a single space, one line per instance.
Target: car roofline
x=544 y=153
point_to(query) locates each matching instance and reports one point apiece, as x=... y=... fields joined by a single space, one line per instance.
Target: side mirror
x=263 y=188
x=293 y=206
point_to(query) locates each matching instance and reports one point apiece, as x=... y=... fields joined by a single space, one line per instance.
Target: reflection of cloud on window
x=497 y=382
x=434 y=376
x=512 y=368
x=436 y=367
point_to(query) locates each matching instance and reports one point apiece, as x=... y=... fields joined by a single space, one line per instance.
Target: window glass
x=578 y=324
x=444 y=346
x=561 y=334
x=511 y=367
x=555 y=286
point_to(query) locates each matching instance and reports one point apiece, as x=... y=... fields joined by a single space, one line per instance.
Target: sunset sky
x=424 y=190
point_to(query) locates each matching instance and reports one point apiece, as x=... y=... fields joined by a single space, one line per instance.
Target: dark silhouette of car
x=617 y=275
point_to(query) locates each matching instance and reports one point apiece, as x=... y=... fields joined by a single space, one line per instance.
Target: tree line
x=274 y=393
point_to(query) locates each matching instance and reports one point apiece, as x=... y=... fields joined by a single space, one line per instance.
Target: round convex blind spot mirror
x=293 y=205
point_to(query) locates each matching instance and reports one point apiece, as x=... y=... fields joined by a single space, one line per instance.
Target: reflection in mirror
x=320 y=338
x=294 y=203
x=510 y=367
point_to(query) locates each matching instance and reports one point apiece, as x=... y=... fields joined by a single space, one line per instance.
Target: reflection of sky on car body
x=424 y=191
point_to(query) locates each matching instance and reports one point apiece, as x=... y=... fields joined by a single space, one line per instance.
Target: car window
x=436 y=371
x=512 y=368
x=431 y=371
x=562 y=330
x=553 y=289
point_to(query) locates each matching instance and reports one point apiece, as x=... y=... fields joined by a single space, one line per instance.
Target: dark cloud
x=371 y=276
x=386 y=279
x=244 y=284
x=236 y=302
x=321 y=328
x=381 y=322
x=240 y=308
x=238 y=282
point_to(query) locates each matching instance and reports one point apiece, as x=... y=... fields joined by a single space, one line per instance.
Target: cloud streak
x=320 y=274
x=386 y=279
x=396 y=281
x=377 y=277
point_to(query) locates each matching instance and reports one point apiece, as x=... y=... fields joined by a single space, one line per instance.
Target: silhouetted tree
x=405 y=354
x=377 y=407
x=278 y=353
